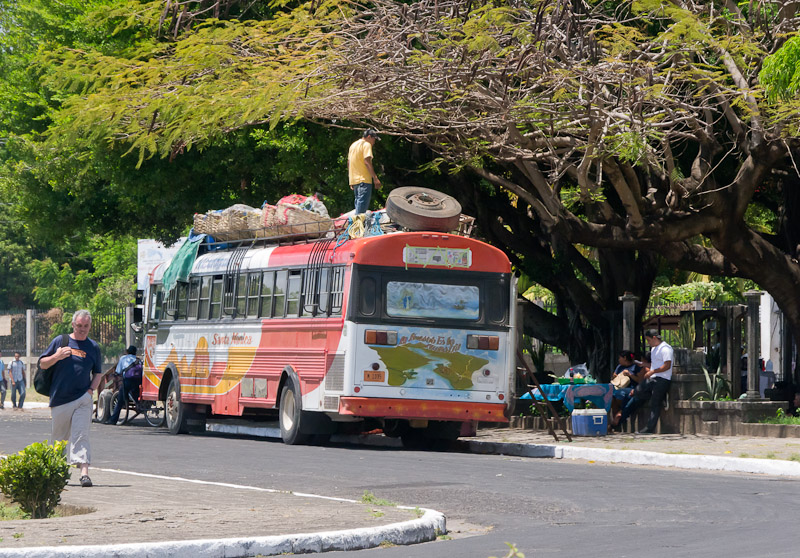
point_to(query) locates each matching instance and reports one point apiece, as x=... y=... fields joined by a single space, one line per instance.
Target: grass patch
x=10 y=512
x=372 y=500
x=794 y=457
x=444 y=538
x=744 y=455
x=771 y=455
x=377 y=514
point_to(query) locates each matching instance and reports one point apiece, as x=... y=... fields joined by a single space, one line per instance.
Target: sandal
x=86 y=481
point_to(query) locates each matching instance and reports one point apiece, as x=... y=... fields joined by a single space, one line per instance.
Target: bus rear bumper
x=422 y=409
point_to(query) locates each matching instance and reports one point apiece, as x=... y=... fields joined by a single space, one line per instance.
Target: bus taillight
x=483 y=342
x=379 y=337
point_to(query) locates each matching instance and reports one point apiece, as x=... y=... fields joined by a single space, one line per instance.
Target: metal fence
x=108 y=329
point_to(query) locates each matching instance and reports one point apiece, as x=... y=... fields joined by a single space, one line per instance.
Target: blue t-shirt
x=72 y=377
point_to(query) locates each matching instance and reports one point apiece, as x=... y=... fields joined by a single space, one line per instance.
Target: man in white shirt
x=657 y=379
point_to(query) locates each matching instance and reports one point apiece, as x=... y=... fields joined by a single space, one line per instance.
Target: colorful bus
x=409 y=332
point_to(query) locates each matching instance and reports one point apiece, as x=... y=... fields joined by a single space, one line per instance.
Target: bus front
x=430 y=342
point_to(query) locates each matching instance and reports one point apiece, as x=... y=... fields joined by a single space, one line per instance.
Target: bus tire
x=175 y=411
x=423 y=209
x=291 y=415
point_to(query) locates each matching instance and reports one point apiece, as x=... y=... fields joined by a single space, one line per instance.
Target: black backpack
x=43 y=378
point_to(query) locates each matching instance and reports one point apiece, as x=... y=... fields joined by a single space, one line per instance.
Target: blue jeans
x=2 y=392
x=18 y=387
x=655 y=389
x=129 y=385
x=363 y=194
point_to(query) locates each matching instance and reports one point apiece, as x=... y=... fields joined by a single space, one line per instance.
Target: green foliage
x=780 y=74
x=689 y=292
x=781 y=418
x=686 y=331
x=35 y=477
x=717 y=387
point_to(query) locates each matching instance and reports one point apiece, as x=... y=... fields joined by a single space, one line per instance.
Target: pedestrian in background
x=3 y=384
x=360 y=170
x=17 y=376
x=76 y=374
x=129 y=370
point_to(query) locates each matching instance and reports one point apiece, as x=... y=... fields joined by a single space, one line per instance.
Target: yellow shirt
x=357 y=169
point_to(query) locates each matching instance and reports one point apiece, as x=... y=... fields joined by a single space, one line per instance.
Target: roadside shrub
x=35 y=477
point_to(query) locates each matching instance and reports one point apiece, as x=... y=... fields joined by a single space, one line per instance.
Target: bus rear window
x=432 y=300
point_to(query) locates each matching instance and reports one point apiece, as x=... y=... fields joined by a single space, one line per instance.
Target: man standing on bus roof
x=360 y=171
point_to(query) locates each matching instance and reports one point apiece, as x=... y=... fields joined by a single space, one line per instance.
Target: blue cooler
x=589 y=422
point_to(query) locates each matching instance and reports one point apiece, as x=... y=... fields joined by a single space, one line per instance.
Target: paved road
x=548 y=508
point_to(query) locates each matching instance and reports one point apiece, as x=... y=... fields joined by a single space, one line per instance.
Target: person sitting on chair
x=130 y=368
x=625 y=378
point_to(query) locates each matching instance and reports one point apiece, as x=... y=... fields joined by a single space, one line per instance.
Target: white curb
x=637 y=457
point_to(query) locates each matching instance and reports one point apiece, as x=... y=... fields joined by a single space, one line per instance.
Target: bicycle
x=153 y=411
x=108 y=399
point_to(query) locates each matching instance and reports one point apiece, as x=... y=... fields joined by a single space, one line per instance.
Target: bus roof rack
x=316 y=231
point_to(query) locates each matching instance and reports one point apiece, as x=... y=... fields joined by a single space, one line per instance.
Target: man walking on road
x=76 y=374
x=360 y=171
x=16 y=374
x=3 y=384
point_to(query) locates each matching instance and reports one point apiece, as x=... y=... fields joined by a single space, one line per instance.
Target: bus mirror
x=138 y=315
x=139 y=296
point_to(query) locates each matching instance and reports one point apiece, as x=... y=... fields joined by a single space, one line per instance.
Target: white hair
x=81 y=314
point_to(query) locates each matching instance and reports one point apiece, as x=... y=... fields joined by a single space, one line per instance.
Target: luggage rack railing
x=304 y=233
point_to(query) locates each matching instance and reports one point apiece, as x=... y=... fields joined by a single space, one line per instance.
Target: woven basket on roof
x=230 y=224
x=287 y=219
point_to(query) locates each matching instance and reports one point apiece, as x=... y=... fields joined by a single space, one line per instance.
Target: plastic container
x=589 y=422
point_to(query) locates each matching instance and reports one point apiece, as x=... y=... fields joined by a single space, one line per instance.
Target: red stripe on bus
x=422 y=409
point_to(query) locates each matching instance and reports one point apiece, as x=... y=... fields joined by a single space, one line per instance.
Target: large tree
x=635 y=128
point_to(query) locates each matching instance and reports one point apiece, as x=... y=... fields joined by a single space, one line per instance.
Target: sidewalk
x=771 y=456
x=134 y=515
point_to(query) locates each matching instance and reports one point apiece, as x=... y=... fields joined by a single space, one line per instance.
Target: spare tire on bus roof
x=423 y=209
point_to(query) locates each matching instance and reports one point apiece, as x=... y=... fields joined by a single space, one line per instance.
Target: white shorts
x=71 y=422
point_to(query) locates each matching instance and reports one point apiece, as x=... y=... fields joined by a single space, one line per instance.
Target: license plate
x=374 y=375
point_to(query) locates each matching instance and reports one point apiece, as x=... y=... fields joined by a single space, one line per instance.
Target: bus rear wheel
x=292 y=415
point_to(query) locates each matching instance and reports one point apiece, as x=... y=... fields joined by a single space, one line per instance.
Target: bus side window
x=279 y=299
x=241 y=296
x=194 y=296
x=205 y=297
x=183 y=294
x=216 y=297
x=170 y=305
x=267 y=290
x=337 y=290
x=293 y=293
x=156 y=303
x=367 y=292
x=324 y=291
x=253 y=292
